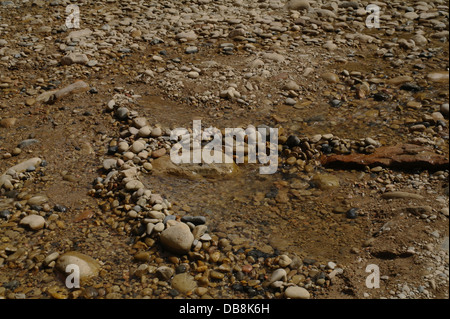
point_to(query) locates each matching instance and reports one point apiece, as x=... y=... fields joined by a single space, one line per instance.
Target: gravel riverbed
x=86 y=115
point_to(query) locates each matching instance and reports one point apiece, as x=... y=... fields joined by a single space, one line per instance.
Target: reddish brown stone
x=247 y=268
x=159 y=153
x=85 y=214
x=402 y=156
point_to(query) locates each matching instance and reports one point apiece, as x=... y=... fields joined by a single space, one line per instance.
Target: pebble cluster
x=199 y=258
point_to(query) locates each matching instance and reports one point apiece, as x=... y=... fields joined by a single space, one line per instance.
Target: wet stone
x=165 y=273
x=89 y=293
x=122 y=113
x=5 y=214
x=183 y=283
x=309 y=261
x=335 y=103
x=196 y=220
x=352 y=213
x=325 y=181
x=381 y=96
x=88 y=267
x=293 y=141
x=156 y=132
x=411 y=87
x=180 y=269
x=11 y=285
x=113 y=149
x=37 y=208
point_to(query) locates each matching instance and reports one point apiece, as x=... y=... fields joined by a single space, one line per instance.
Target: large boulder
x=88 y=266
x=177 y=238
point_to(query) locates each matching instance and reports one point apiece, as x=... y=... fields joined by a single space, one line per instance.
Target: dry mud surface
x=92 y=108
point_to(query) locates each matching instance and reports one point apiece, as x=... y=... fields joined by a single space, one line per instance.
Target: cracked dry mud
x=333 y=87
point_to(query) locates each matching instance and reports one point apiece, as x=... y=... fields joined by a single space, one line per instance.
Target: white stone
x=411 y=15
x=331 y=265
x=145 y=131
x=165 y=272
x=290 y=101
x=88 y=267
x=75 y=58
x=150 y=228
x=189 y=35
x=156 y=214
x=137 y=147
x=438 y=76
x=130 y=173
x=295 y=292
x=315 y=138
x=159 y=227
x=134 y=185
x=110 y=105
x=139 y=122
x=371 y=141
x=143 y=155
x=123 y=147
x=22 y=167
x=419 y=39
x=284 y=261
x=193 y=75
x=109 y=163
x=330 y=46
x=128 y=156
x=156 y=132
x=277 y=275
x=34 y=222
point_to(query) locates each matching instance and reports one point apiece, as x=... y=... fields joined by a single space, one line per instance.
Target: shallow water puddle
x=213 y=195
